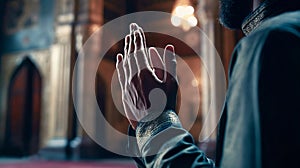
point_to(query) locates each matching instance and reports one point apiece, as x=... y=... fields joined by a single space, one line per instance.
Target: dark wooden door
x=23 y=111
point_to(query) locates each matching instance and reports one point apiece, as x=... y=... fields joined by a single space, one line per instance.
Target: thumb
x=170 y=60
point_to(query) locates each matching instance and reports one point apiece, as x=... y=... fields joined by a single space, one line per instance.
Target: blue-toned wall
x=26 y=25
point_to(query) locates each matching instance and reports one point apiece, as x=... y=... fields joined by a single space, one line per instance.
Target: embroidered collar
x=267 y=9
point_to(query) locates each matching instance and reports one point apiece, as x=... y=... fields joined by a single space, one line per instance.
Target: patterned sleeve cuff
x=146 y=130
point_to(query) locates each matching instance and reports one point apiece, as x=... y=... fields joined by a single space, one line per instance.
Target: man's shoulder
x=275 y=30
x=275 y=36
x=283 y=21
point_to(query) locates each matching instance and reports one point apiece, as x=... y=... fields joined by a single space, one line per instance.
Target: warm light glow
x=195 y=83
x=189 y=10
x=178 y=10
x=185 y=12
x=192 y=21
x=93 y=28
x=176 y=21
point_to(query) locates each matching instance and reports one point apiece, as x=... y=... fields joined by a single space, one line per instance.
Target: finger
x=143 y=39
x=130 y=44
x=137 y=51
x=157 y=64
x=132 y=64
x=120 y=71
x=131 y=67
x=132 y=28
x=170 y=60
x=143 y=42
x=126 y=71
x=141 y=56
x=137 y=41
x=126 y=47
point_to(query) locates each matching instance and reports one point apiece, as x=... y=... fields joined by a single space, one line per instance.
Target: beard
x=233 y=12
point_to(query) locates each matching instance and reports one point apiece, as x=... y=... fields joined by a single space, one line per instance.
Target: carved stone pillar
x=89 y=19
x=60 y=71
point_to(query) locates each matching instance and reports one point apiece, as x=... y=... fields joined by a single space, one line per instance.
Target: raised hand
x=148 y=81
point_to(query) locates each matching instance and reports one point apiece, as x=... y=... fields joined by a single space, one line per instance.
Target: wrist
x=149 y=127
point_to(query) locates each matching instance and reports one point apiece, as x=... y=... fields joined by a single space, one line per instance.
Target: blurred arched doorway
x=23 y=111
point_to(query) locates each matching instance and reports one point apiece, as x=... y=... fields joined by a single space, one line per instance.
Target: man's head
x=233 y=12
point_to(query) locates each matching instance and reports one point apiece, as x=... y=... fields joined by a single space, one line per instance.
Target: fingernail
x=136 y=33
x=119 y=58
x=133 y=26
x=170 y=47
x=127 y=39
